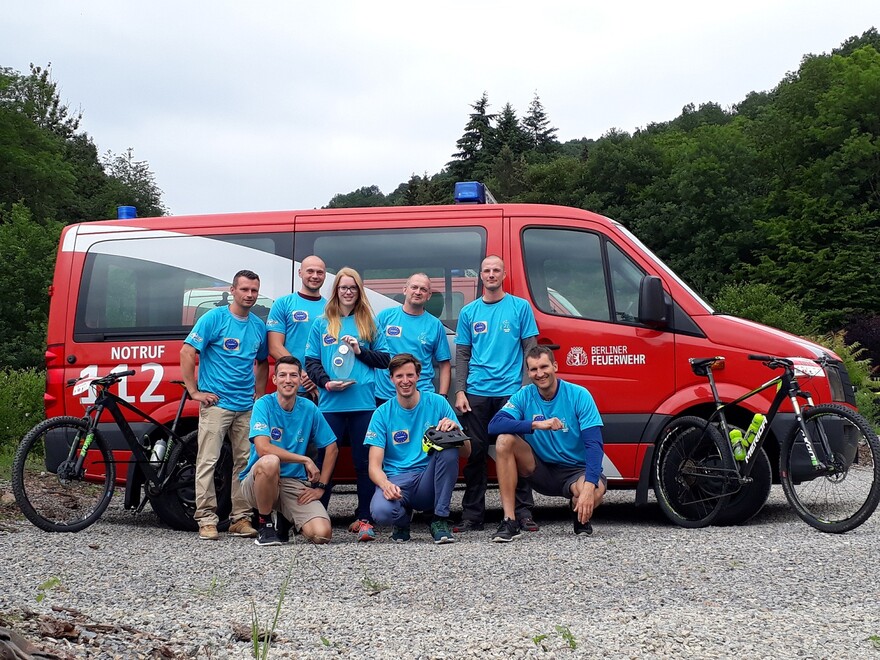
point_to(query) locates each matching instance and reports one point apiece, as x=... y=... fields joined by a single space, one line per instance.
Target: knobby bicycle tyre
x=691 y=473
x=175 y=504
x=48 y=491
x=840 y=499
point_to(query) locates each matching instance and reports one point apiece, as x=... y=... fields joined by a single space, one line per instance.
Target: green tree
x=132 y=183
x=472 y=160
x=508 y=133
x=365 y=196
x=760 y=303
x=541 y=134
x=27 y=250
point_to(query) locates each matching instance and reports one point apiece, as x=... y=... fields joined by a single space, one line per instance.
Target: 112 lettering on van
x=123 y=355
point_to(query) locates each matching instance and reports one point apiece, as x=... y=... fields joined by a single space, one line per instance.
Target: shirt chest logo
x=400 y=437
x=393 y=331
x=300 y=316
x=329 y=340
x=275 y=434
x=231 y=344
x=480 y=327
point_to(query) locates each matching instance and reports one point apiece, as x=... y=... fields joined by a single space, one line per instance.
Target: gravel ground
x=638 y=588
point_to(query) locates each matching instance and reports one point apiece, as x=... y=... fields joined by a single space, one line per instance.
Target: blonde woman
x=348 y=328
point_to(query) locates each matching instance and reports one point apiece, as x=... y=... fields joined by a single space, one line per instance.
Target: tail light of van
x=53 y=397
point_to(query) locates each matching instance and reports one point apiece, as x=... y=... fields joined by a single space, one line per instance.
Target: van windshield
x=664 y=267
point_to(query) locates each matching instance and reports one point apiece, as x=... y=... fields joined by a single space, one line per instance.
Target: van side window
x=386 y=258
x=625 y=280
x=155 y=288
x=565 y=272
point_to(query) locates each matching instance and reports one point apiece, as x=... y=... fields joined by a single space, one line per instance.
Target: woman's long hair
x=363 y=313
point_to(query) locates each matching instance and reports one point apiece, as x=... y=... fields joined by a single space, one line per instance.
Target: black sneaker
x=580 y=528
x=467 y=526
x=282 y=527
x=267 y=535
x=527 y=524
x=507 y=531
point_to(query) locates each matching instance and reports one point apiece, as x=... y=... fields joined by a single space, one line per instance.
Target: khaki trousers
x=214 y=424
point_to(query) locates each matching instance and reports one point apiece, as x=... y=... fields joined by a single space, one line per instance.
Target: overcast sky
x=245 y=106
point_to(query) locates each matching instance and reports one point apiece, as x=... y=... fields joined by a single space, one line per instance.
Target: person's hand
x=391 y=491
x=205 y=399
x=446 y=424
x=314 y=474
x=337 y=385
x=585 y=501
x=353 y=343
x=552 y=424
x=462 y=405
x=307 y=383
x=310 y=495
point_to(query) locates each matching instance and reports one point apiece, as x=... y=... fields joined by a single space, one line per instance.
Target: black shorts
x=555 y=479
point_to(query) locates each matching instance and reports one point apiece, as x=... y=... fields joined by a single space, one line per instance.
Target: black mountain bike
x=829 y=464
x=64 y=472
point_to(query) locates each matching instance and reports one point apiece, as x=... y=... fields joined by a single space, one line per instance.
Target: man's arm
x=188 y=355
x=331 y=453
x=378 y=476
x=261 y=375
x=444 y=371
x=265 y=447
x=276 y=344
x=462 y=369
x=594 y=446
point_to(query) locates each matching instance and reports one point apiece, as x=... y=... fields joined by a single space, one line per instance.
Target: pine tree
x=537 y=126
x=471 y=160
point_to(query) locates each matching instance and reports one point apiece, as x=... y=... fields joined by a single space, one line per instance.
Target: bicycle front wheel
x=49 y=489
x=844 y=491
x=692 y=472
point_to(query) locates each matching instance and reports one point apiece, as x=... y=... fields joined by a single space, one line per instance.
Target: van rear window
x=156 y=288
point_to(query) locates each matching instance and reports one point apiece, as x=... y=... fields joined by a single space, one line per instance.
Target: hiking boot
x=363 y=529
x=467 y=526
x=507 y=531
x=527 y=524
x=267 y=535
x=242 y=528
x=208 y=533
x=400 y=534
x=441 y=533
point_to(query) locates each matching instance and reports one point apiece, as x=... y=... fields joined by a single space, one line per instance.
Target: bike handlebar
x=109 y=379
x=773 y=362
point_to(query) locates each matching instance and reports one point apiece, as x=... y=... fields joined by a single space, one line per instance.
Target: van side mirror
x=653 y=306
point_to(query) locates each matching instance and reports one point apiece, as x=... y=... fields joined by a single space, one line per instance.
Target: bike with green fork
x=829 y=462
x=65 y=472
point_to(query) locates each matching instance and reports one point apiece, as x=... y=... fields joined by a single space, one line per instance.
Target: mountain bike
x=829 y=463
x=64 y=471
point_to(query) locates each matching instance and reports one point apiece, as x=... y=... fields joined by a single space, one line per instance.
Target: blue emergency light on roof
x=126 y=212
x=472 y=192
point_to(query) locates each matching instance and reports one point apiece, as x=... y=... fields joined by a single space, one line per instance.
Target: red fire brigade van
x=126 y=292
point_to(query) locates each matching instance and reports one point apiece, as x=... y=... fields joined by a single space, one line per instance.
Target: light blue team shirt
x=494 y=332
x=424 y=336
x=573 y=405
x=360 y=395
x=399 y=431
x=290 y=431
x=293 y=316
x=227 y=349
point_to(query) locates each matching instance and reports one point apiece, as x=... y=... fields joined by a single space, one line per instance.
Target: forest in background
x=770 y=209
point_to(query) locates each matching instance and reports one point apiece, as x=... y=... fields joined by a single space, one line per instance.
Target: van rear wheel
x=176 y=503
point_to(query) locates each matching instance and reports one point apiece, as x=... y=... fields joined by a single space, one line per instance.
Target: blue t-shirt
x=290 y=431
x=227 y=349
x=323 y=345
x=424 y=336
x=573 y=405
x=293 y=316
x=494 y=332
x=399 y=431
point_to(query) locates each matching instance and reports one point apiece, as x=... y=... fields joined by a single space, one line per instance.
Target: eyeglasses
x=347 y=289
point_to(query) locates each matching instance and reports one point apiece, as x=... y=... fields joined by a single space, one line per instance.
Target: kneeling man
x=550 y=434
x=279 y=476
x=406 y=477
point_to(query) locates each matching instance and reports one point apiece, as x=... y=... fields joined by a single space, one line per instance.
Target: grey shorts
x=288 y=493
x=555 y=479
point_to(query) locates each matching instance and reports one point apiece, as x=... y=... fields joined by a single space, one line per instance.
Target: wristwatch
x=319 y=484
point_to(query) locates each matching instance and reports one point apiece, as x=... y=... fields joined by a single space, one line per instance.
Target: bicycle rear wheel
x=691 y=472
x=49 y=490
x=845 y=493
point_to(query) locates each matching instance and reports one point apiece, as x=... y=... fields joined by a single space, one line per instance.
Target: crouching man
x=550 y=434
x=279 y=476
x=406 y=477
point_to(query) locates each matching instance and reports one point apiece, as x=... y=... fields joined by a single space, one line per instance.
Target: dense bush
x=865 y=331
x=859 y=368
x=21 y=404
x=760 y=303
